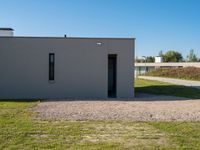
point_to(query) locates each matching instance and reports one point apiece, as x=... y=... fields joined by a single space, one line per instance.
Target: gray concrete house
x=64 y=67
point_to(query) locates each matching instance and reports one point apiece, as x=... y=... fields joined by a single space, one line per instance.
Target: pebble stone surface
x=144 y=107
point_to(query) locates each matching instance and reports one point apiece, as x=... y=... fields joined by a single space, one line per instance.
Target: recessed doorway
x=112 y=76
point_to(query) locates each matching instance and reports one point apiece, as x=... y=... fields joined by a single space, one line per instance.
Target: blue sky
x=156 y=24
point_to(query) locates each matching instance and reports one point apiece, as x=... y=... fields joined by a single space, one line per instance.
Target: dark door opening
x=112 y=76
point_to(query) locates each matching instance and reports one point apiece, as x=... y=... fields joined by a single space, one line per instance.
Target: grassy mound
x=188 y=73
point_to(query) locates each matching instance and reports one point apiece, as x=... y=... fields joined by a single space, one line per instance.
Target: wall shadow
x=145 y=93
x=19 y=100
x=170 y=90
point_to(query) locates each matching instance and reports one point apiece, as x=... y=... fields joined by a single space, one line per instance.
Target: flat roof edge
x=7 y=29
x=69 y=37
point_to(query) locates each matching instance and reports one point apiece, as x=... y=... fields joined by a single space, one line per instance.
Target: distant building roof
x=7 y=29
x=169 y=64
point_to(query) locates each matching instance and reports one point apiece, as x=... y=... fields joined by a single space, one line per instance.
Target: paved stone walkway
x=194 y=84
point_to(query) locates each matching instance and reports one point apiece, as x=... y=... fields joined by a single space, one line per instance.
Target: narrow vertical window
x=51 y=66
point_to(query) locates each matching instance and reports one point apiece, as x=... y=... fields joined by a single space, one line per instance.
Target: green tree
x=172 y=56
x=191 y=57
x=150 y=59
x=139 y=60
x=160 y=53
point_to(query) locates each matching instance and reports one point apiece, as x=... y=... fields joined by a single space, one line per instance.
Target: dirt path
x=143 y=108
x=194 y=84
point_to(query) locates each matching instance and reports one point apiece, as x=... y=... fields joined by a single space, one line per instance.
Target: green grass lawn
x=161 y=88
x=19 y=130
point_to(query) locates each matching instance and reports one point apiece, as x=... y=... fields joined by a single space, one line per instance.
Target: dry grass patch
x=187 y=73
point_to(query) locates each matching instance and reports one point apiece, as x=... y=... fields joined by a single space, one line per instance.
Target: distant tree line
x=191 y=57
x=171 y=56
x=148 y=59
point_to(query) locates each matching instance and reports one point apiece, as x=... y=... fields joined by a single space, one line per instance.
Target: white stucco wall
x=6 y=33
x=81 y=67
x=158 y=59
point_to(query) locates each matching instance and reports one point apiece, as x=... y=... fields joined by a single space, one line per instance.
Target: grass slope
x=188 y=73
x=161 y=88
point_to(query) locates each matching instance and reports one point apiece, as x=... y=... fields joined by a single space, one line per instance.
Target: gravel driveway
x=143 y=108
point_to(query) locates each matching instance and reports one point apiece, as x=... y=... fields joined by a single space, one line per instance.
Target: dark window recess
x=51 y=66
x=112 y=76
